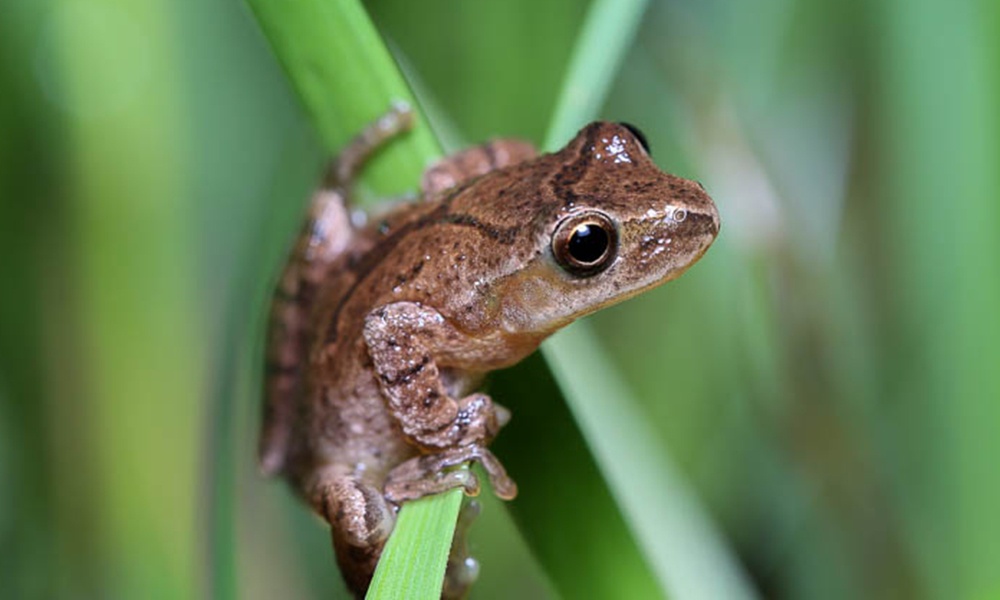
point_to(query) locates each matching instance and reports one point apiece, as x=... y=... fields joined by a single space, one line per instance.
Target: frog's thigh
x=463 y=166
x=355 y=508
x=360 y=522
x=327 y=232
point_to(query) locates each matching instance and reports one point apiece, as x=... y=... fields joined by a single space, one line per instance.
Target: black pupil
x=588 y=243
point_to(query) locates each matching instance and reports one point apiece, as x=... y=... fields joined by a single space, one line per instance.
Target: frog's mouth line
x=629 y=294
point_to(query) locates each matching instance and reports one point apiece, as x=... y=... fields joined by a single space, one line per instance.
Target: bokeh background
x=827 y=378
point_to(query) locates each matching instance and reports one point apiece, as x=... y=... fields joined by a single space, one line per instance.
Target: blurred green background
x=827 y=378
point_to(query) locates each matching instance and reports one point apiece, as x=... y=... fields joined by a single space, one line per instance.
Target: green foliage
x=413 y=563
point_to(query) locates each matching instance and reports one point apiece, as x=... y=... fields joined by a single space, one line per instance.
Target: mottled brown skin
x=381 y=333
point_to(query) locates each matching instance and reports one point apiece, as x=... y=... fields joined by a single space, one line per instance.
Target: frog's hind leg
x=360 y=523
x=343 y=170
x=361 y=520
x=327 y=232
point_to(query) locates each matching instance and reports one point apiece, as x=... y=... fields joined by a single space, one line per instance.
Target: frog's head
x=616 y=225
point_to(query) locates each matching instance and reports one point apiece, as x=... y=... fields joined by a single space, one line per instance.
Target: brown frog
x=382 y=330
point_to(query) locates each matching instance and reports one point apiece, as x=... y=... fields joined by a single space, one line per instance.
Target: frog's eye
x=585 y=244
x=638 y=135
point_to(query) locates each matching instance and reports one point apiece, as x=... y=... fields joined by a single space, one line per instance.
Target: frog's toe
x=459 y=577
x=411 y=481
x=434 y=473
x=502 y=415
x=503 y=486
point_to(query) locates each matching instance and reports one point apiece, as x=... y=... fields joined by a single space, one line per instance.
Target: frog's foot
x=396 y=120
x=431 y=474
x=463 y=570
x=360 y=522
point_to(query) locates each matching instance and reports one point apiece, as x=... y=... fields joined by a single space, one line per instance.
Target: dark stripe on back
x=566 y=178
x=506 y=236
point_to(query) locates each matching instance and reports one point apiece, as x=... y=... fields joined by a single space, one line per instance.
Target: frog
x=384 y=325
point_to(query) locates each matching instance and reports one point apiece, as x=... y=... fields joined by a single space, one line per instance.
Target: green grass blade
x=607 y=33
x=413 y=562
x=940 y=97
x=565 y=511
x=346 y=78
x=677 y=538
x=137 y=363
x=218 y=483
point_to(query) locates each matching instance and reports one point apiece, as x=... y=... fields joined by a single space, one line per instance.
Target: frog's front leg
x=406 y=341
